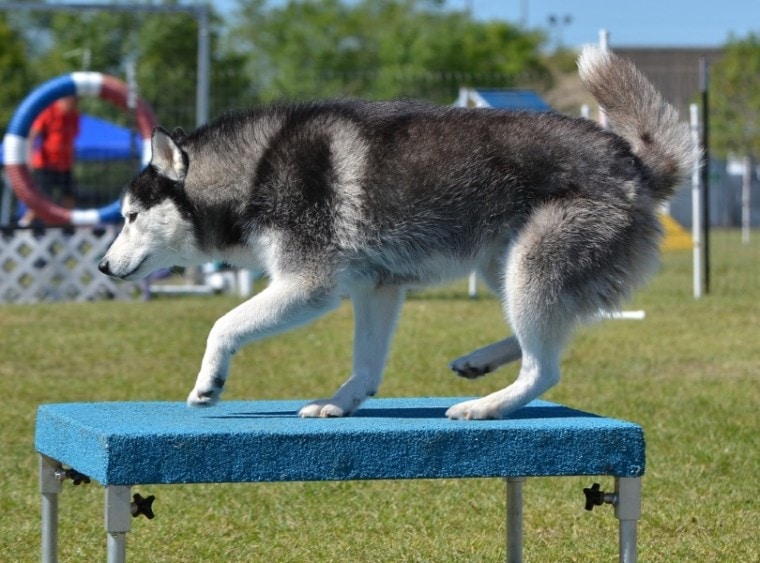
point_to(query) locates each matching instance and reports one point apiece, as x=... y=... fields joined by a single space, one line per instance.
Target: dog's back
x=390 y=184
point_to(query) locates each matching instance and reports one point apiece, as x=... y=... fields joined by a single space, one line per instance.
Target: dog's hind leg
x=559 y=270
x=375 y=312
x=487 y=359
x=541 y=347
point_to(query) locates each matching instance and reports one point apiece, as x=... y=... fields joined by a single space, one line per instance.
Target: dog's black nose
x=104 y=267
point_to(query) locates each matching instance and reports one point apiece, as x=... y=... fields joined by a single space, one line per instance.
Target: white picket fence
x=57 y=264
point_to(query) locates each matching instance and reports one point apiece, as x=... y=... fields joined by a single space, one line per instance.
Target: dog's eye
x=131 y=217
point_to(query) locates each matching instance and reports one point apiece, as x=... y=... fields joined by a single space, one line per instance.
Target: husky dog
x=558 y=216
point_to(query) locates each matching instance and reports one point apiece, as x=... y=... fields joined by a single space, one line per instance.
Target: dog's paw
x=203 y=397
x=463 y=368
x=322 y=409
x=476 y=409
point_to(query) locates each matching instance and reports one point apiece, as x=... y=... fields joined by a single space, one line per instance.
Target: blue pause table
x=136 y=443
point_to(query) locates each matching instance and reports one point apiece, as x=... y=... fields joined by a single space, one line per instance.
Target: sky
x=639 y=23
x=630 y=23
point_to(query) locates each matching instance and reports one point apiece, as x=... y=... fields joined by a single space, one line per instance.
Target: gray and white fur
x=368 y=199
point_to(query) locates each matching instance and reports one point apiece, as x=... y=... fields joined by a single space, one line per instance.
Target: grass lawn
x=689 y=374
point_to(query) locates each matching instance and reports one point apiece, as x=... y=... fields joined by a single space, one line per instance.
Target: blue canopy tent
x=103 y=140
x=501 y=99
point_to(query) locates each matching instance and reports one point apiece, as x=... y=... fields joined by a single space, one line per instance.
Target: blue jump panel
x=248 y=441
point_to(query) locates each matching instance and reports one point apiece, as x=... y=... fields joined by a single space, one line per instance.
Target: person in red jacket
x=52 y=140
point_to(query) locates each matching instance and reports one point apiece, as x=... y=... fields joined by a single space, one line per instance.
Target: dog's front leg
x=281 y=306
x=375 y=312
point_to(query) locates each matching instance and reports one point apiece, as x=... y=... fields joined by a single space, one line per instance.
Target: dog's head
x=158 y=231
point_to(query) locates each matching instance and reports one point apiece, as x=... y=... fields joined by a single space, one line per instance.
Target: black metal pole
x=705 y=82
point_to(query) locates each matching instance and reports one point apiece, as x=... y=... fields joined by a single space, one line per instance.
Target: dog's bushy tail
x=640 y=115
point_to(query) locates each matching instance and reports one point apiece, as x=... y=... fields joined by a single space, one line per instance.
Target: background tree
x=297 y=49
x=167 y=57
x=163 y=46
x=14 y=70
x=39 y=45
x=735 y=98
x=85 y=40
x=380 y=49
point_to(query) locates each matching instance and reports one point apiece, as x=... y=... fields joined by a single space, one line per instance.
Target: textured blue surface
x=246 y=441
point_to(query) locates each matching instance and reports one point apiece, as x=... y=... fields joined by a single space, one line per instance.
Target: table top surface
x=130 y=443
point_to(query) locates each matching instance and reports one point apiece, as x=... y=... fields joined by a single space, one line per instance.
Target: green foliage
x=167 y=58
x=89 y=40
x=14 y=70
x=380 y=49
x=163 y=46
x=735 y=98
x=300 y=49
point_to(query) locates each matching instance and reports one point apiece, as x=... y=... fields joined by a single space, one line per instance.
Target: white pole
x=244 y=283
x=639 y=315
x=604 y=39
x=604 y=43
x=204 y=66
x=696 y=203
x=131 y=85
x=6 y=201
x=472 y=285
x=746 y=183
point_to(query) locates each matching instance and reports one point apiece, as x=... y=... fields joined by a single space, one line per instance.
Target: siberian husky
x=557 y=215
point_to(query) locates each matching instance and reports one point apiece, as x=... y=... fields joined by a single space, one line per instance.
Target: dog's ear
x=168 y=158
x=179 y=135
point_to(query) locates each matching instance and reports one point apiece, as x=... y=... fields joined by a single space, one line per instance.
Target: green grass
x=689 y=374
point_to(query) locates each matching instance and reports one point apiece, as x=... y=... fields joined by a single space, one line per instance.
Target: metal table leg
x=50 y=488
x=514 y=519
x=628 y=511
x=117 y=519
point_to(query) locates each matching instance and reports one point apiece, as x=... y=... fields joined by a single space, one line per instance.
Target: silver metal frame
x=514 y=519
x=118 y=515
x=628 y=511
x=627 y=501
x=50 y=488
